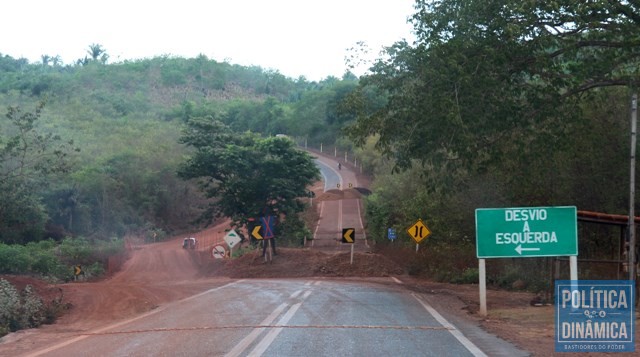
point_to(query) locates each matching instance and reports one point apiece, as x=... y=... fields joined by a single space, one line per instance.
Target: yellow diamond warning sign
x=418 y=231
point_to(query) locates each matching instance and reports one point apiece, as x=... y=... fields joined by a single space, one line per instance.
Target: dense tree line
x=122 y=123
x=501 y=104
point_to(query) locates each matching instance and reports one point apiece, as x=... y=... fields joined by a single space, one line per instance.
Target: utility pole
x=632 y=189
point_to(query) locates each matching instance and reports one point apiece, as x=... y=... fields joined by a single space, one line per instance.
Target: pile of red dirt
x=293 y=263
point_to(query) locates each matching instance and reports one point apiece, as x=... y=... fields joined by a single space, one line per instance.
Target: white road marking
x=271 y=336
x=396 y=280
x=340 y=216
x=273 y=333
x=268 y=339
x=364 y=233
x=452 y=329
x=319 y=218
x=121 y=323
x=242 y=345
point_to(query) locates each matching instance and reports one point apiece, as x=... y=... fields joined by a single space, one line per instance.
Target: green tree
x=28 y=156
x=487 y=79
x=97 y=51
x=245 y=175
x=45 y=60
x=498 y=104
x=27 y=153
x=83 y=61
x=56 y=61
x=10 y=307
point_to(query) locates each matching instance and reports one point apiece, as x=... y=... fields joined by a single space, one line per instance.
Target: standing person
x=339 y=166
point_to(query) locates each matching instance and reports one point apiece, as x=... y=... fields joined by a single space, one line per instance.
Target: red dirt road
x=155 y=274
x=148 y=279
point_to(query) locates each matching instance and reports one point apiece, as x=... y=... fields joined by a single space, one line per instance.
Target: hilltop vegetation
x=126 y=120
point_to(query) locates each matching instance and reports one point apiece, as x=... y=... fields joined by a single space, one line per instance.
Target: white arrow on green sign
x=526 y=232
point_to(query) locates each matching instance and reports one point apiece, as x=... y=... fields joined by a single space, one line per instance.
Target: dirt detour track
x=162 y=272
x=154 y=274
x=158 y=273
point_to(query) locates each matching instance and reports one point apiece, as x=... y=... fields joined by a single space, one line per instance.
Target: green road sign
x=526 y=232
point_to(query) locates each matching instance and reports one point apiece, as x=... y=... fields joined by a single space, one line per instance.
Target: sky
x=306 y=38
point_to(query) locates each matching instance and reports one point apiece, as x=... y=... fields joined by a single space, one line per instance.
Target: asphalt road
x=309 y=317
x=338 y=214
x=331 y=177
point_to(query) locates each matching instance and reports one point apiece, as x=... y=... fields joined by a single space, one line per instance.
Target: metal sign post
x=482 y=280
x=632 y=189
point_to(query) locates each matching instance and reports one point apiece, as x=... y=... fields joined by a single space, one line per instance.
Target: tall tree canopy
x=27 y=153
x=245 y=175
x=487 y=78
x=27 y=157
x=96 y=51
